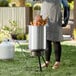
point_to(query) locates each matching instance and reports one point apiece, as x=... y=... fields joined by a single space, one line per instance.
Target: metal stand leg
x=43 y=59
x=39 y=54
x=40 y=63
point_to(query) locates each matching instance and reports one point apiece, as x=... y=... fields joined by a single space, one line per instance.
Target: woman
x=52 y=10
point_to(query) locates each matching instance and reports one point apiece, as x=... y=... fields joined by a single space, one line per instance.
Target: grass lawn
x=25 y=65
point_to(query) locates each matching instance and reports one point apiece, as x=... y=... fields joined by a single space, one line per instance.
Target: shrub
x=13 y=28
x=4 y=35
x=37 y=8
x=4 y=3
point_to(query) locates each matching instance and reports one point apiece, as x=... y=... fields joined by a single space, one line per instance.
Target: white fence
x=18 y=14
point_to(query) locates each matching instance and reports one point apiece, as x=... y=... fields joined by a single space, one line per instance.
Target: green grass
x=25 y=65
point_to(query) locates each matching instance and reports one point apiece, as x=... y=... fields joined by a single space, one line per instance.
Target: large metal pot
x=37 y=38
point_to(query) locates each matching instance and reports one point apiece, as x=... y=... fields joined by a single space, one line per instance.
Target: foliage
x=37 y=8
x=4 y=3
x=70 y=1
x=21 y=36
x=4 y=35
x=28 y=4
x=27 y=36
x=71 y=4
x=13 y=28
x=9 y=1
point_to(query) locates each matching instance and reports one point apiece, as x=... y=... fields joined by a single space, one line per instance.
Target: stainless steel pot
x=37 y=37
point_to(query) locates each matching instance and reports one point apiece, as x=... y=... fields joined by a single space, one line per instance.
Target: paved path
x=70 y=42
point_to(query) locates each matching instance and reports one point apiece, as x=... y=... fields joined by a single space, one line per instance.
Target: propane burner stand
x=38 y=53
x=37 y=41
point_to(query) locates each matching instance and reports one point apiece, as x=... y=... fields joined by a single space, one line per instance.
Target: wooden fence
x=19 y=14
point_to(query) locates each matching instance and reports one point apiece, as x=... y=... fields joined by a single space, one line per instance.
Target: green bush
x=4 y=35
x=4 y=3
x=37 y=8
x=28 y=4
x=70 y=1
x=71 y=4
x=21 y=37
x=13 y=28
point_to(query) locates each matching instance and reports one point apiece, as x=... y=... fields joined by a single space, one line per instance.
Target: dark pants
x=57 y=49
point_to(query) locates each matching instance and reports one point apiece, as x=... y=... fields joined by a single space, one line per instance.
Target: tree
x=3 y=3
x=70 y=0
x=19 y=2
x=9 y=1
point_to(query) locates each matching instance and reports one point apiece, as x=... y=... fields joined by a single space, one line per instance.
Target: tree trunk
x=74 y=28
x=19 y=2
